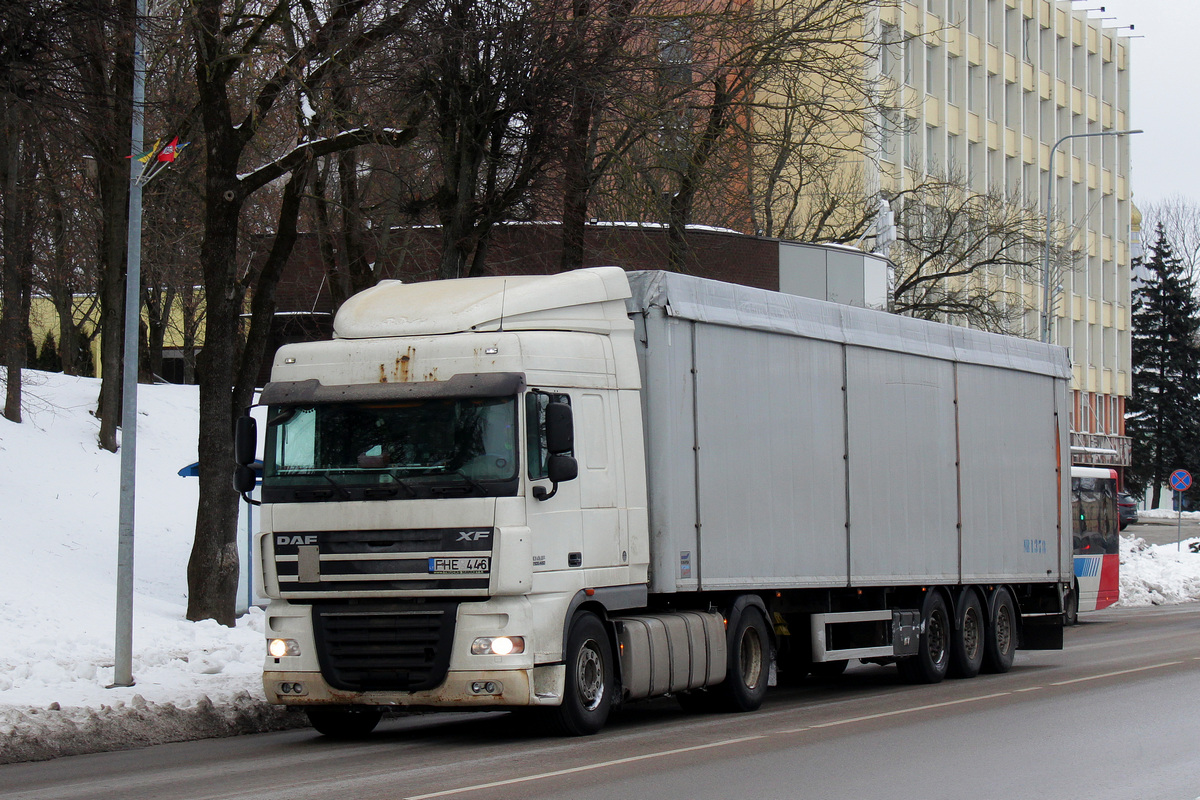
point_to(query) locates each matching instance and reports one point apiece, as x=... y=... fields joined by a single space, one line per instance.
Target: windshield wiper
x=342 y=490
x=393 y=473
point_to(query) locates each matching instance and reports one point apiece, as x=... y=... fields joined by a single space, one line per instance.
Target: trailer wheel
x=1071 y=605
x=932 y=660
x=1001 y=641
x=589 y=684
x=748 y=664
x=969 y=639
x=353 y=722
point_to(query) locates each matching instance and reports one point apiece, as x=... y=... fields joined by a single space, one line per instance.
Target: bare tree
x=964 y=256
x=759 y=109
x=258 y=69
x=497 y=79
x=1180 y=220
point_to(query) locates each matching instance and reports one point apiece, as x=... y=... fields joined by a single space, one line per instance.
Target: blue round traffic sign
x=1180 y=480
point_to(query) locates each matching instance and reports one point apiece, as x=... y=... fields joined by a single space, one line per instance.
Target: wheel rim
x=936 y=636
x=589 y=675
x=750 y=658
x=1004 y=630
x=971 y=628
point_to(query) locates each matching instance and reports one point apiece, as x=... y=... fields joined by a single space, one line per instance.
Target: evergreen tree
x=49 y=359
x=1162 y=414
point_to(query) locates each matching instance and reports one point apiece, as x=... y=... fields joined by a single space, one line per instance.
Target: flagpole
x=123 y=663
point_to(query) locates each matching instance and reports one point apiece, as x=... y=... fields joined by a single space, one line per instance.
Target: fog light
x=292 y=688
x=498 y=646
x=487 y=687
x=278 y=648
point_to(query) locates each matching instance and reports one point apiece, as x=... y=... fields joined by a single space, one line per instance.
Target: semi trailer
x=568 y=492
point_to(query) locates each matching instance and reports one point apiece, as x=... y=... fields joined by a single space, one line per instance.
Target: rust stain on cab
x=382 y=374
x=401 y=370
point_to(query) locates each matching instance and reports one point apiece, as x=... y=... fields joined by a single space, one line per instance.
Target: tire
x=932 y=660
x=748 y=663
x=353 y=722
x=1071 y=605
x=1001 y=641
x=589 y=689
x=969 y=638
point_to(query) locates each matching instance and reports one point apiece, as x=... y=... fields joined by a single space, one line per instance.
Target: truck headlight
x=498 y=646
x=278 y=648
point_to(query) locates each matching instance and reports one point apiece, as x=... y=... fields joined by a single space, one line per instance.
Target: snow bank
x=1156 y=575
x=59 y=503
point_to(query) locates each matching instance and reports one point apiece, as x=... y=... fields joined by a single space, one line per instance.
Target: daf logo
x=473 y=536
x=286 y=540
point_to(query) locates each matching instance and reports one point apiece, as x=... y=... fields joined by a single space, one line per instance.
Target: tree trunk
x=114 y=227
x=13 y=185
x=576 y=184
x=213 y=566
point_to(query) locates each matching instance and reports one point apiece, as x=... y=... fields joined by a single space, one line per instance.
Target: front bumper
x=539 y=686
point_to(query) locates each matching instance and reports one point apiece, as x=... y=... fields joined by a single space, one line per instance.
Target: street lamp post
x=1049 y=211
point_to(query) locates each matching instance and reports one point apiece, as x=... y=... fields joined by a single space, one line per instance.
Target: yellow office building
x=989 y=87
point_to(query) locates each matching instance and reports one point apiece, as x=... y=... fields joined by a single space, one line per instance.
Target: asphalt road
x=1115 y=715
x=1163 y=531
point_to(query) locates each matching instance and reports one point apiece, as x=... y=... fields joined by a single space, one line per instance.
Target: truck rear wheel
x=1071 y=605
x=932 y=660
x=968 y=640
x=1001 y=641
x=589 y=683
x=343 y=723
x=748 y=664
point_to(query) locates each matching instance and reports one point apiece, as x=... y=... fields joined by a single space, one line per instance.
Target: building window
x=952 y=80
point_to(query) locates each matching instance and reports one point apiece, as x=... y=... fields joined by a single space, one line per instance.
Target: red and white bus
x=1097 y=539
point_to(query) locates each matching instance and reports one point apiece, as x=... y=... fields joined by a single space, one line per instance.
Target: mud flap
x=1041 y=632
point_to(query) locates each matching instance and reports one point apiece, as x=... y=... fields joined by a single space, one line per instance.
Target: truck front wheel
x=343 y=723
x=589 y=682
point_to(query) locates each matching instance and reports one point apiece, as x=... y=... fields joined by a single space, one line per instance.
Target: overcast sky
x=1164 y=94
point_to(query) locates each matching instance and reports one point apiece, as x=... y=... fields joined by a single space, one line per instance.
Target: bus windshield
x=380 y=450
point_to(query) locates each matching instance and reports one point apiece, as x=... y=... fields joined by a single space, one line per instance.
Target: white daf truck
x=573 y=491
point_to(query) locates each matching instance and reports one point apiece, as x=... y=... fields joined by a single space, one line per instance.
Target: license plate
x=460 y=565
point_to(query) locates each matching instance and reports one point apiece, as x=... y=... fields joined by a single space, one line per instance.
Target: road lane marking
x=584 y=768
x=898 y=712
x=1115 y=674
x=817 y=726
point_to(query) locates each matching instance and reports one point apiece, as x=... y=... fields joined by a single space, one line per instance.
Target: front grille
x=384 y=647
x=395 y=562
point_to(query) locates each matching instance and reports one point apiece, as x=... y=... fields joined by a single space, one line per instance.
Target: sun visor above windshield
x=312 y=391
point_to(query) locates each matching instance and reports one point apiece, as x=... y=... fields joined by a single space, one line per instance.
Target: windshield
x=380 y=450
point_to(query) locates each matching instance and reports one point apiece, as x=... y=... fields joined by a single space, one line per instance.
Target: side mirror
x=245 y=441
x=243 y=479
x=560 y=469
x=560 y=428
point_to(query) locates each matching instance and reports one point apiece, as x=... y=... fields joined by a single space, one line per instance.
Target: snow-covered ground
x=58 y=542
x=59 y=502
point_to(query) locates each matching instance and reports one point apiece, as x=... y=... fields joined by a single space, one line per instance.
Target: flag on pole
x=171 y=150
x=146 y=156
